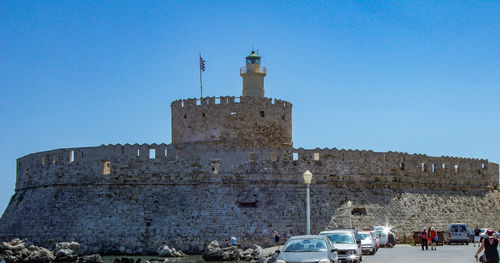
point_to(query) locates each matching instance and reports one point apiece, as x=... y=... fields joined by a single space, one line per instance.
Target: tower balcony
x=263 y=70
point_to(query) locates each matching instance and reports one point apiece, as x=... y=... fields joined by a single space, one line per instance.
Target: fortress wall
x=233 y=121
x=199 y=193
x=191 y=160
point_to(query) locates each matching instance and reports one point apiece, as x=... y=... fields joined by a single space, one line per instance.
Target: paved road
x=414 y=254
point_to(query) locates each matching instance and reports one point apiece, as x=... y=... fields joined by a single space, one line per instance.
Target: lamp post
x=307 y=179
x=349 y=205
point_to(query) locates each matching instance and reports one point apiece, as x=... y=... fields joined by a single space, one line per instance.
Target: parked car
x=345 y=241
x=456 y=233
x=376 y=239
x=310 y=248
x=368 y=245
x=383 y=234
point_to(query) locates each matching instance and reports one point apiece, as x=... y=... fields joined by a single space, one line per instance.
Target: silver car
x=368 y=245
x=345 y=242
x=310 y=248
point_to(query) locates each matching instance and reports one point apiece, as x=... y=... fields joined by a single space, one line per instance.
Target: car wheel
x=467 y=243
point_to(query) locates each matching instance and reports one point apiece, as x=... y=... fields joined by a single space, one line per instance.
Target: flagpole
x=201 y=83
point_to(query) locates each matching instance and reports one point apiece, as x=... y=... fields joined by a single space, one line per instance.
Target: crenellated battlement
x=226 y=100
x=155 y=163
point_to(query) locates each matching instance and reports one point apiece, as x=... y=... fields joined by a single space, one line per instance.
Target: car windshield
x=305 y=245
x=364 y=236
x=341 y=238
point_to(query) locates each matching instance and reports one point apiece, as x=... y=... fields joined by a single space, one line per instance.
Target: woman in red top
x=434 y=238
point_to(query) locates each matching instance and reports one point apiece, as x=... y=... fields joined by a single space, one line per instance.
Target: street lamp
x=307 y=179
x=349 y=204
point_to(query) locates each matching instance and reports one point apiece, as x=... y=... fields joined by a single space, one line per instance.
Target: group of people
x=429 y=236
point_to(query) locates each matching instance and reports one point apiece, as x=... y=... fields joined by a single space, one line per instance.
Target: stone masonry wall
x=233 y=121
x=189 y=194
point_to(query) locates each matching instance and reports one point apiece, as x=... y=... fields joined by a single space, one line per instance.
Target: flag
x=202 y=64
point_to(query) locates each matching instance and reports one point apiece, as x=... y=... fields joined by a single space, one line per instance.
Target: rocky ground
x=256 y=254
x=19 y=251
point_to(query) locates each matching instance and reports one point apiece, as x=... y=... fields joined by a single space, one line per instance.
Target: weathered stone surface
x=213 y=252
x=95 y=258
x=73 y=246
x=39 y=255
x=65 y=255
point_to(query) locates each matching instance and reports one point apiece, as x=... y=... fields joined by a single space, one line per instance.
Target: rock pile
x=17 y=251
x=213 y=252
x=165 y=251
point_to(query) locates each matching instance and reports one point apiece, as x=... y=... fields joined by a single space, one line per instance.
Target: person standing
x=477 y=239
x=434 y=238
x=424 y=239
x=276 y=237
x=490 y=245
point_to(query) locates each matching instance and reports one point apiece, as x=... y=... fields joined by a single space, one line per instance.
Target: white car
x=383 y=234
x=345 y=242
x=368 y=245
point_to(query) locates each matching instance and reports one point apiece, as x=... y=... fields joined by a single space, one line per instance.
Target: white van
x=456 y=233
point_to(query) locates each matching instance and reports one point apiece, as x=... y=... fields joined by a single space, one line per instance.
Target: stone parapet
x=194 y=163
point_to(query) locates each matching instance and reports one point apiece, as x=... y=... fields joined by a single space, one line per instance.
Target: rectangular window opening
x=274 y=156
x=152 y=153
x=283 y=117
x=456 y=168
x=54 y=158
x=182 y=104
x=443 y=166
x=316 y=156
x=138 y=152
x=185 y=116
x=402 y=166
x=262 y=114
x=482 y=166
x=423 y=167
x=107 y=168
x=217 y=100
x=204 y=114
x=237 y=100
x=71 y=156
x=198 y=102
x=43 y=160
x=252 y=156
x=166 y=151
x=433 y=167
x=233 y=113
x=295 y=156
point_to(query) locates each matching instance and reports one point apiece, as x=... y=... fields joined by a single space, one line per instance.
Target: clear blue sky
x=408 y=76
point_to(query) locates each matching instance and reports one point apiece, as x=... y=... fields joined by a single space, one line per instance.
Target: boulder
x=212 y=252
x=165 y=251
x=74 y=246
x=65 y=255
x=231 y=253
x=16 y=245
x=257 y=250
x=95 y=258
x=39 y=255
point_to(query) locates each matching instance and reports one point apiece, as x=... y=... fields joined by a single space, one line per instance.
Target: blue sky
x=408 y=76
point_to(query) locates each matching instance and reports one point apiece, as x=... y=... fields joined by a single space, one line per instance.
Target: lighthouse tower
x=253 y=77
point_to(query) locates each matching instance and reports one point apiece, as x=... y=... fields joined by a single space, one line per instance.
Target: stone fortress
x=231 y=169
